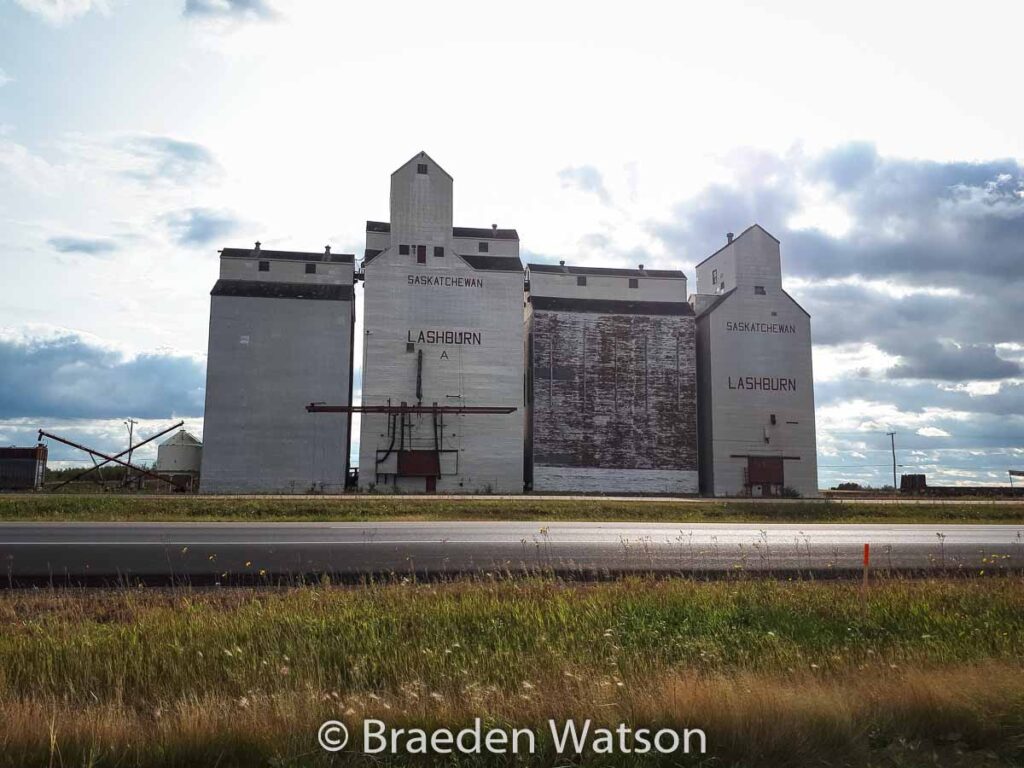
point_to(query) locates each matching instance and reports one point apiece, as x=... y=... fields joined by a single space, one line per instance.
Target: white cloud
x=932 y=432
x=5 y=78
x=59 y=12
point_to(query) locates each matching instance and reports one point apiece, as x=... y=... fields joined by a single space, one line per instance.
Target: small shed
x=22 y=469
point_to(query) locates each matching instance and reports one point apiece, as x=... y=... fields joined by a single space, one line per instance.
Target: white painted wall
x=738 y=420
x=564 y=285
x=285 y=270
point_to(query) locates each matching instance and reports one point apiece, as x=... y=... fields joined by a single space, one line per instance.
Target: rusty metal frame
x=115 y=459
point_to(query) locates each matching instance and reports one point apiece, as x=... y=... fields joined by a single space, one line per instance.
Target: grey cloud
x=1005 y=406
x=846 y=166
x=243 y=10
x=163 y=159
x=89 y=245
x=68 y=377
x=948 y=224
x=952 y=362
x=199 y=226
x=585 y=178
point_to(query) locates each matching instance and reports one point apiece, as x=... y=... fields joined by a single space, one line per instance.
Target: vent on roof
x=728 y=237
x=257 y=245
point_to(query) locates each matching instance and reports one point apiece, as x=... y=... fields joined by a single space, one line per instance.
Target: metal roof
x=182 y=437
x=497 y=263
x=473 y=233
x=265 y=289
x=606 y=271
x=611 y=306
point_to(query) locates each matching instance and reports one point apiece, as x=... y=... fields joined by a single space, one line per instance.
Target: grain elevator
x=443 y=369
x=755 y=389
x=281 y=325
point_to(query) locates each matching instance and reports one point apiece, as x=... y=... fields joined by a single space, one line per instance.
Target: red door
x=765 y=475
x=431 y=484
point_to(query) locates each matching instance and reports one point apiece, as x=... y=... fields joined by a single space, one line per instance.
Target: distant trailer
x=22 y=469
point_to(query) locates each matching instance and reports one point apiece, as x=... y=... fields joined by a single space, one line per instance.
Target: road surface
x=229 y=552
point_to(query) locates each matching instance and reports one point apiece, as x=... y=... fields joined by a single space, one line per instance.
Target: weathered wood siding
x=613 y=402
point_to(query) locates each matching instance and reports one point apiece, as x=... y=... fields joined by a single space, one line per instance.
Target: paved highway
x=225 y=552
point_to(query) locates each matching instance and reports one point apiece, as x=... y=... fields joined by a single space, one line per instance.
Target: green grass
x=786 y=674
x=59 y=507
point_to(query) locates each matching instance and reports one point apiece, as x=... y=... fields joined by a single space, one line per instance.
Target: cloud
x=199 y=226
x=66 y=375
x=911 y=220
x=59 y=12
x=164 y=159
x=5 y=78
x=90 y=246
x=954 y=362
x=585 y=178
x=232 y=10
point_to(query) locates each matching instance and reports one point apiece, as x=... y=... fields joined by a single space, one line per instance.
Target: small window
x=403 y=250
x=634 y=282
x=714 y=275
x=421 y=168
x=759 y=290
x=483 y=247
x=773 y=420
x=438 y=251
x=722 y=286
x=410 y=347
x=421 y=254
x=581 y=280
x=264 y=266
x=311 y=269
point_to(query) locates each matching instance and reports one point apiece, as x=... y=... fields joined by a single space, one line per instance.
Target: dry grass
x=928 y=673
x=66 y=507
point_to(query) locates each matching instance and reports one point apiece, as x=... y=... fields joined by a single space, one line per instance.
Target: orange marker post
x=867 y=564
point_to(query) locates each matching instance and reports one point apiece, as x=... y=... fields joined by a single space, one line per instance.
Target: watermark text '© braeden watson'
x=569 y=737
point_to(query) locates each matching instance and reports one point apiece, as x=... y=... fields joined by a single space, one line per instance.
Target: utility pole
x=130 y=424
x=892 y=440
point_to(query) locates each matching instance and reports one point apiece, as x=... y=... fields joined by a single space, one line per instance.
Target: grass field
x=778 y=674
x=125 y=507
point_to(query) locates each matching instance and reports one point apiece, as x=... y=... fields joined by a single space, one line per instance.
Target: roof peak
x=418 y=157
x=733 y=240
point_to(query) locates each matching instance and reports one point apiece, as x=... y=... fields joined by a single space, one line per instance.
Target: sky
x=881 y=143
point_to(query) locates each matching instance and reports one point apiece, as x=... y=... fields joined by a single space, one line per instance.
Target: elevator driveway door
x=765 y=475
